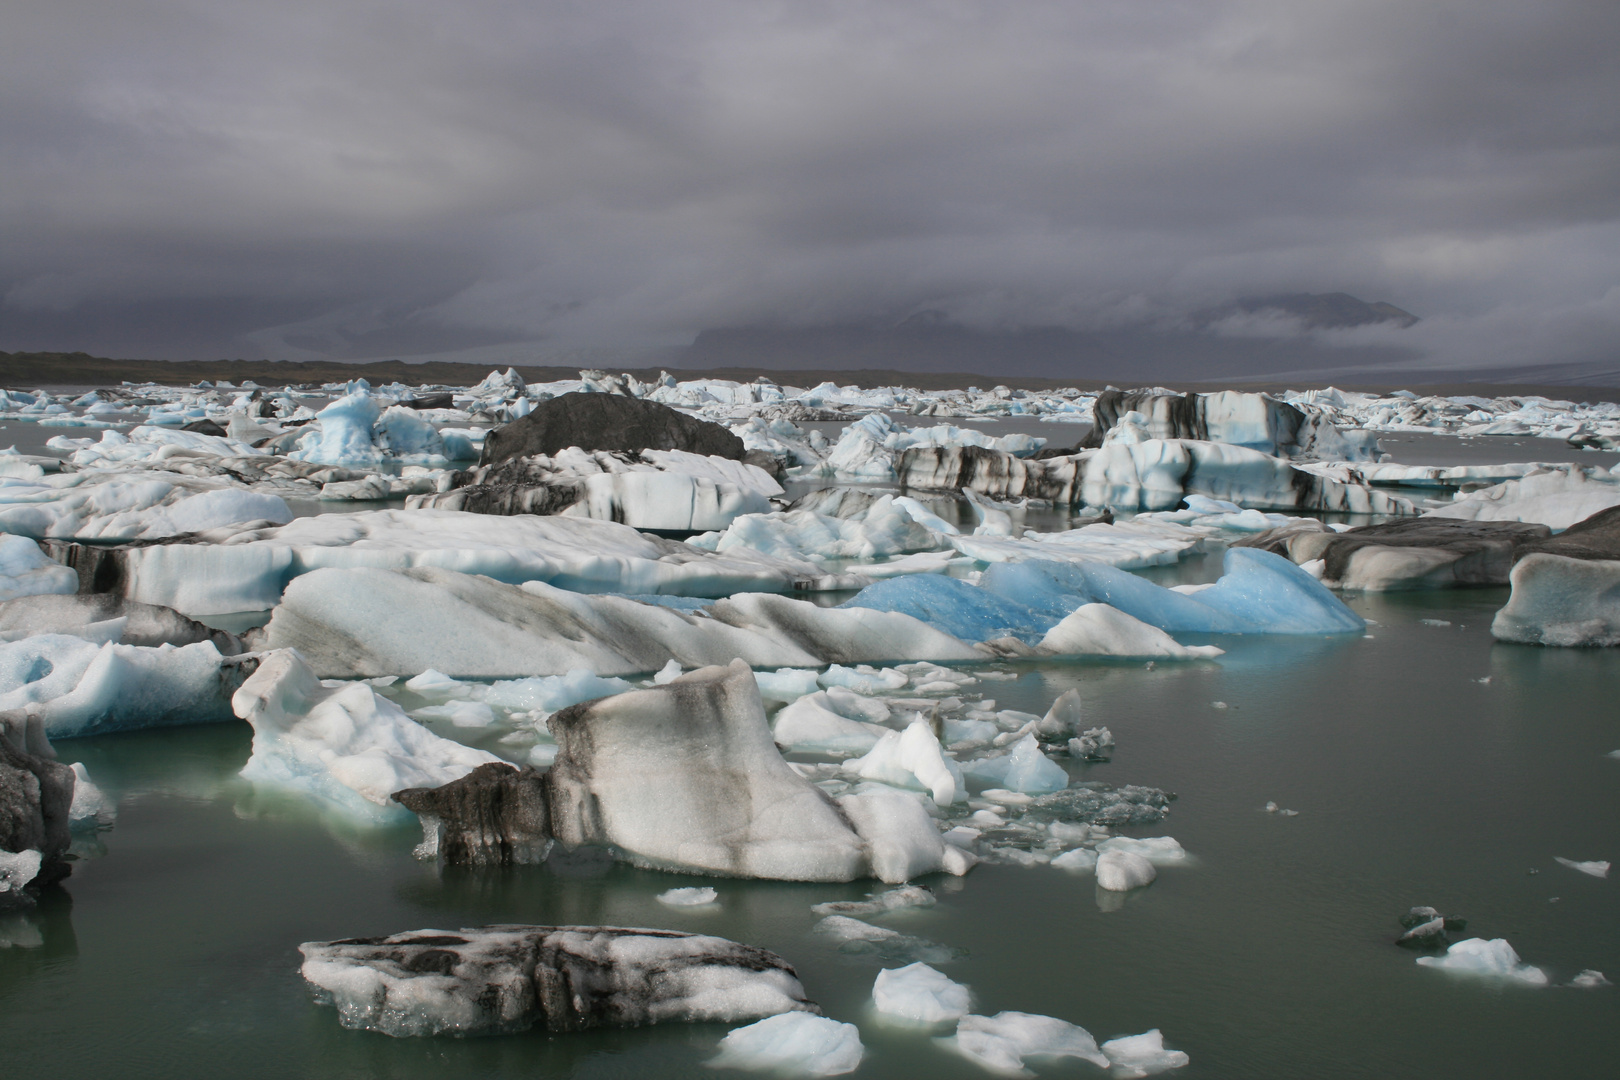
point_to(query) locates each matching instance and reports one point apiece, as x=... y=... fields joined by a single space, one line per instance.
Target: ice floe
x=792 y=1044
x=1494 y=959
x=920 y=994
x=500 y=979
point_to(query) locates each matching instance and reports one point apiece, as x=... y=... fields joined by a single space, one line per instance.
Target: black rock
x=497 y=979
x=206 y=427
x=1596 y=537
x=607 y=422
x=1478 y=552
x=497 y=814
x=431 y=401
x=36 y=792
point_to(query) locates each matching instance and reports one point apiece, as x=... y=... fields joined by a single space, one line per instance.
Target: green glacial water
x=172 y=951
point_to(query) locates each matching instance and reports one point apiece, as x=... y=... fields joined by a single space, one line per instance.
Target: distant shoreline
x=26 y=371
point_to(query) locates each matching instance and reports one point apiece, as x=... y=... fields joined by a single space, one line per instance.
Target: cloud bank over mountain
x=553 y=180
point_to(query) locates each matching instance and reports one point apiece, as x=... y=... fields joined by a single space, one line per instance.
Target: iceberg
x=1493 y=959
x=1561 y=601
x=920 y=994
x=1022 y=768
x=685 y=776
x=1131 y=1056
x=1121 y=871
x=247 y=570
x=82 y=687
x=371 y=623
x=344 y=745
x=1557 y=497
x=1001 y=1043
x=26 y=571
x=793 y=1044
x=501 y=979
x=669 y=490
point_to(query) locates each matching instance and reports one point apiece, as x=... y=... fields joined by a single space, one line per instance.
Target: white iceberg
x=920 y=994
x=1001 y=1043
x=345 y=745
x=1133 y=1056
x=793 y=1044
x=1491 y=959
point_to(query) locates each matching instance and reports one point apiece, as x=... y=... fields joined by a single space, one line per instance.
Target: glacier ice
x=1133 y=1056
x=82 y=687
x=1557 y=600
x=912 y=758
x=1121 y=871
x=369 y=623
x=26 y=571
x=344 y=745
x=508 y=978
x=1101 y=630
x=1159 y=850
x=792 y=1044
x=1490 y=959
x=1003 y=1042
x=696 y=896
x=1593 y=868
x=1557 y=496
x=1022 y=768
x=685 y=776
x=811 y=724
x=920 y=994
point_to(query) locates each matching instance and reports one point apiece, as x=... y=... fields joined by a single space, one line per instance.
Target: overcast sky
x=284 y=179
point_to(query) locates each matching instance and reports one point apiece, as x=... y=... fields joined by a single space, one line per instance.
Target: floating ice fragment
x=1271 y=808
x=1023 y=768
x=920 y=994
x=462 y=714
x=1435 y=622
x=1002 y=1042
x=1142 y=1055
x=1063 y=718
x=863 y=678
x=1078 y=859
x=1595 y=869
x=907 y=896
x=17 y=869
x=91 y=809
x=668 y=673
x=1159 y=850
x=1121 y=871
x=1217 y=705
x=1590 y=980
x=855 y=936
x=795 y=1044
x=788 y=684
x=912 y=758
x=436 y=684
x=697 y=896
x=1492 y=959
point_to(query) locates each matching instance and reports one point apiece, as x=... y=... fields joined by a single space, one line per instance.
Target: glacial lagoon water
x=171 y=952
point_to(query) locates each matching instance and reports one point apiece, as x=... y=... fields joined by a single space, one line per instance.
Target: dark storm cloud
x=320 y=176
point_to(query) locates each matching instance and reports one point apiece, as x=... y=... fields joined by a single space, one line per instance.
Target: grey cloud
x=306 y=178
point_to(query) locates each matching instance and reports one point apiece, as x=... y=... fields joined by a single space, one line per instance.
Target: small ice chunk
x=1435 y=622
x=907 y=896
x=668 y=673
x=17 y=869
x=1590 y=980
x=913 y=759
x=1023 y=768
x=696 y=896
x=90 y=809
x=462 y=714
x=1596 y=869
x=866 y=680
x=1063 y=718
x=796 y=1044
x=1158 y=850
x=1121 y=871
x=1080 y=859
x=1217 y=705
x=1271 y=808
x=1493 y=959
x=1002 y=1042
x=1092 y=745
x=1142 y=1055
x=787 y=684
x=920 y=994
x=436 y=684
